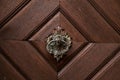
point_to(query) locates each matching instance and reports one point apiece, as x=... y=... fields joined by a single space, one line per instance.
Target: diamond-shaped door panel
x=40 y=38
x=58 y=20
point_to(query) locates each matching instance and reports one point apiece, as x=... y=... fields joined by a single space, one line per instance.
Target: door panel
x=84 y=65
x=110 y=13
x=8 y=8
x=58 y=65
x=30 y=18
x=7 y=71
x=28 y=60
x=111 y=71
x=40 y=38
x=88 y=21
x=90 y=28
x=90 y=59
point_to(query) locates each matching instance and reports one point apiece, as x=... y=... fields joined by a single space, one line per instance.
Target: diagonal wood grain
x=26 y=21
x=8 y=8
x=40 y=38
x=7 y=71
x=88 y=21
x=58 y=20
x=110 y=10
x=111 y=71
x=84 y=20
x=23 y=55
x=87 y=61
x=50 y=58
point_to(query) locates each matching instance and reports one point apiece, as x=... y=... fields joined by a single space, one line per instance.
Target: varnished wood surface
x=66 y=58
x=28 y=60
x=33 y=65
x=110 y=10
x=111 y=71
x=58 y=20
x=7 y=6
x=81 y=14
x=84 y=64
x=26 y=24
x=7 y=71
x=27 y=20
x=88 y=21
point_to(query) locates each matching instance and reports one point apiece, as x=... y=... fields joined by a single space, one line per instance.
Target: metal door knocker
x=58 y=43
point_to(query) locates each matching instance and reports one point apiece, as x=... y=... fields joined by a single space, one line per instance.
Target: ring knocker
x=58 y=43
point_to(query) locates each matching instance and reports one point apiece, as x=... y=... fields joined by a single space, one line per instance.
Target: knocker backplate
x=58 y=43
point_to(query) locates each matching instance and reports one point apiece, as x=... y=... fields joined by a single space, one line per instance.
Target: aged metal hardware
x=58 y=43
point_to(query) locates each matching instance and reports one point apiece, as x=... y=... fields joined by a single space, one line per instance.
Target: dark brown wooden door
x=93 y=25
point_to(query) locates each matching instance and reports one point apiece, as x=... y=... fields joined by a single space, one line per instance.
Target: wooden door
x=94 y=28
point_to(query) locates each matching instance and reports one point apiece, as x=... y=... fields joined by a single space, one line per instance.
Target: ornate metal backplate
x=58 y=43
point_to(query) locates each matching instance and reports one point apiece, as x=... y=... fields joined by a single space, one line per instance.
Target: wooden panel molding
x=110 y=10
x=40 y=38
x=88 y=21
x=88 y=60
x=31 y=63
x=7 y=71
x=26 y=24
x=37 y=13
x=52 y=61
x=28 y=20
x=9 y=8
x=111 y=71
x=91 y=59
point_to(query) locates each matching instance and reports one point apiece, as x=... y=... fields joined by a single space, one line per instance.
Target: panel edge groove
x=113 y=25
x=14 y=12
x=109 y=58
x=14 y=65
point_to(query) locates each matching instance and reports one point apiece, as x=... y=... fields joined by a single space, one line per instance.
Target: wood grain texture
x=28 y=19
x=40 y=38
x=87 y=61
x=110 y=9
x=7 y=8
x=111 y=71
x=50 y=58
x=7 y=71
x=88 y=21
x=58 y=20
x=28 y=60
x=26 y=24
